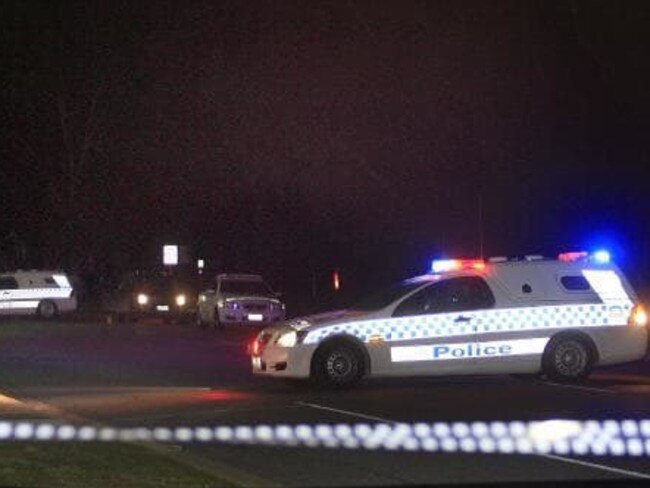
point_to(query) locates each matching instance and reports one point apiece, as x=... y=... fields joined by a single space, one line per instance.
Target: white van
x=561 y=317
x=43 y=293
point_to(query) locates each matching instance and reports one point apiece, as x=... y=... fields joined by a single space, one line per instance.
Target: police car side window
x=452 y=295
x=575 y=283
x=8 y=283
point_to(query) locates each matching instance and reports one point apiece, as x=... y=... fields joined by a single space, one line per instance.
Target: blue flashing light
x=602 y=256
x=443 y=265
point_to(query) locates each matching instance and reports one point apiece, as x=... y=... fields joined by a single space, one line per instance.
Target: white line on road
x=579 y=387
x=634 y=474
x=346 y=412
x=602 y=467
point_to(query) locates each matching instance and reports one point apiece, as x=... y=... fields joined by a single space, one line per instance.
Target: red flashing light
x=336 y=281
x=570 y=257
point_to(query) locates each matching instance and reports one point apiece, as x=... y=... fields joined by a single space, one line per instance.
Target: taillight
x=639 y=317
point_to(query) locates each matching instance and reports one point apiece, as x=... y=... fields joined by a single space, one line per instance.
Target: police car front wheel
x=338 y=365
x=568 y=359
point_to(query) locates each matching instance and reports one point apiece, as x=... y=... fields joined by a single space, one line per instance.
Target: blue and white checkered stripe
x=483 y=321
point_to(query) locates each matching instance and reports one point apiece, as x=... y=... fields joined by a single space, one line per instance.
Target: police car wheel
x=339 y=365
x=568 y=360
x=47 y=309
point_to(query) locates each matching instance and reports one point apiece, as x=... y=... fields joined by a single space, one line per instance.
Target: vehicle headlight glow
x=288 y=339
x=181 y=300
x=142 y=299
x=639 y=316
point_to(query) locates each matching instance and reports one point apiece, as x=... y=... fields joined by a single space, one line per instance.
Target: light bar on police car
x=601 y=256
x=446 y=265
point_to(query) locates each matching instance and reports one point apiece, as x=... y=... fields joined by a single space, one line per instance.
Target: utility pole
x=480 y=224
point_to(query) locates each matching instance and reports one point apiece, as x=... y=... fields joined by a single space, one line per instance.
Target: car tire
x=338 y=365
x=567 y=359
x=47 y=310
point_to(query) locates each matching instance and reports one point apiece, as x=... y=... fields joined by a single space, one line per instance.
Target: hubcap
x=339 y=365
x=570 y=358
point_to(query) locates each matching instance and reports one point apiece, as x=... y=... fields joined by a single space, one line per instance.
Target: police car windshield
x=384 y=297
x=241 y=287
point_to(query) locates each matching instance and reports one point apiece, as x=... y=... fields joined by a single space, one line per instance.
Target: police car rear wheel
x=47 y=309
x=339 y=365
x=568 y=360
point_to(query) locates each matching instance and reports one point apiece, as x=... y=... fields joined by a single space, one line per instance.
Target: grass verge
x=95 y=464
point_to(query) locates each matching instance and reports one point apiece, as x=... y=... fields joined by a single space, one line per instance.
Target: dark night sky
x=276 y=136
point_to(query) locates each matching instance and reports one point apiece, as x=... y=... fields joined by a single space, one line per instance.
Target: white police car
x=29 y=292
x=559 y=316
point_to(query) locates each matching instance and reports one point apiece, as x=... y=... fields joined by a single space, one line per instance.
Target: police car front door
x=446 y=311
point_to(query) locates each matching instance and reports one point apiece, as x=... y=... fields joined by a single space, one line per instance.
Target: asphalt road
x=152 y=374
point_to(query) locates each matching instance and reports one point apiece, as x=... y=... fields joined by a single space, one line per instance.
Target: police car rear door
x=439 y=318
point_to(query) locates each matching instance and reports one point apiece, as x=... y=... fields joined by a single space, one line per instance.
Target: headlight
x=142 y=299
x=220 y=303
x=202 y=298
x=639 y=316
x=288 y=339
x=181 y=300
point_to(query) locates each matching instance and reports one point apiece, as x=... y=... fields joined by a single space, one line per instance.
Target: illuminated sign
x=170 y=255
x=468 y=350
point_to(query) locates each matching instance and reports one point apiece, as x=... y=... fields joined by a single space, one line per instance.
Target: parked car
x=560 y=317
x=239 y=299
x=153 y=293
x=33 y=292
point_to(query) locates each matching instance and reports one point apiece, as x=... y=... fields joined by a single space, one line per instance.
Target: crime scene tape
x=559 y=436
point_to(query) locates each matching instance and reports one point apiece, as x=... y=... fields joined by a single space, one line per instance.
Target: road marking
x=346 y=412
x=602 y=467
x=633 y=474
x=579 y=387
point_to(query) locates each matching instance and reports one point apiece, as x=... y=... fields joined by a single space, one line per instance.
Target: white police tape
x=559 y=436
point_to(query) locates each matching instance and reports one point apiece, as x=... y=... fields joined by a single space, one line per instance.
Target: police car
x=28 y=292
x=561 y=317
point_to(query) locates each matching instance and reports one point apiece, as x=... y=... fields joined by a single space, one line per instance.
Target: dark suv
x=157 y=293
